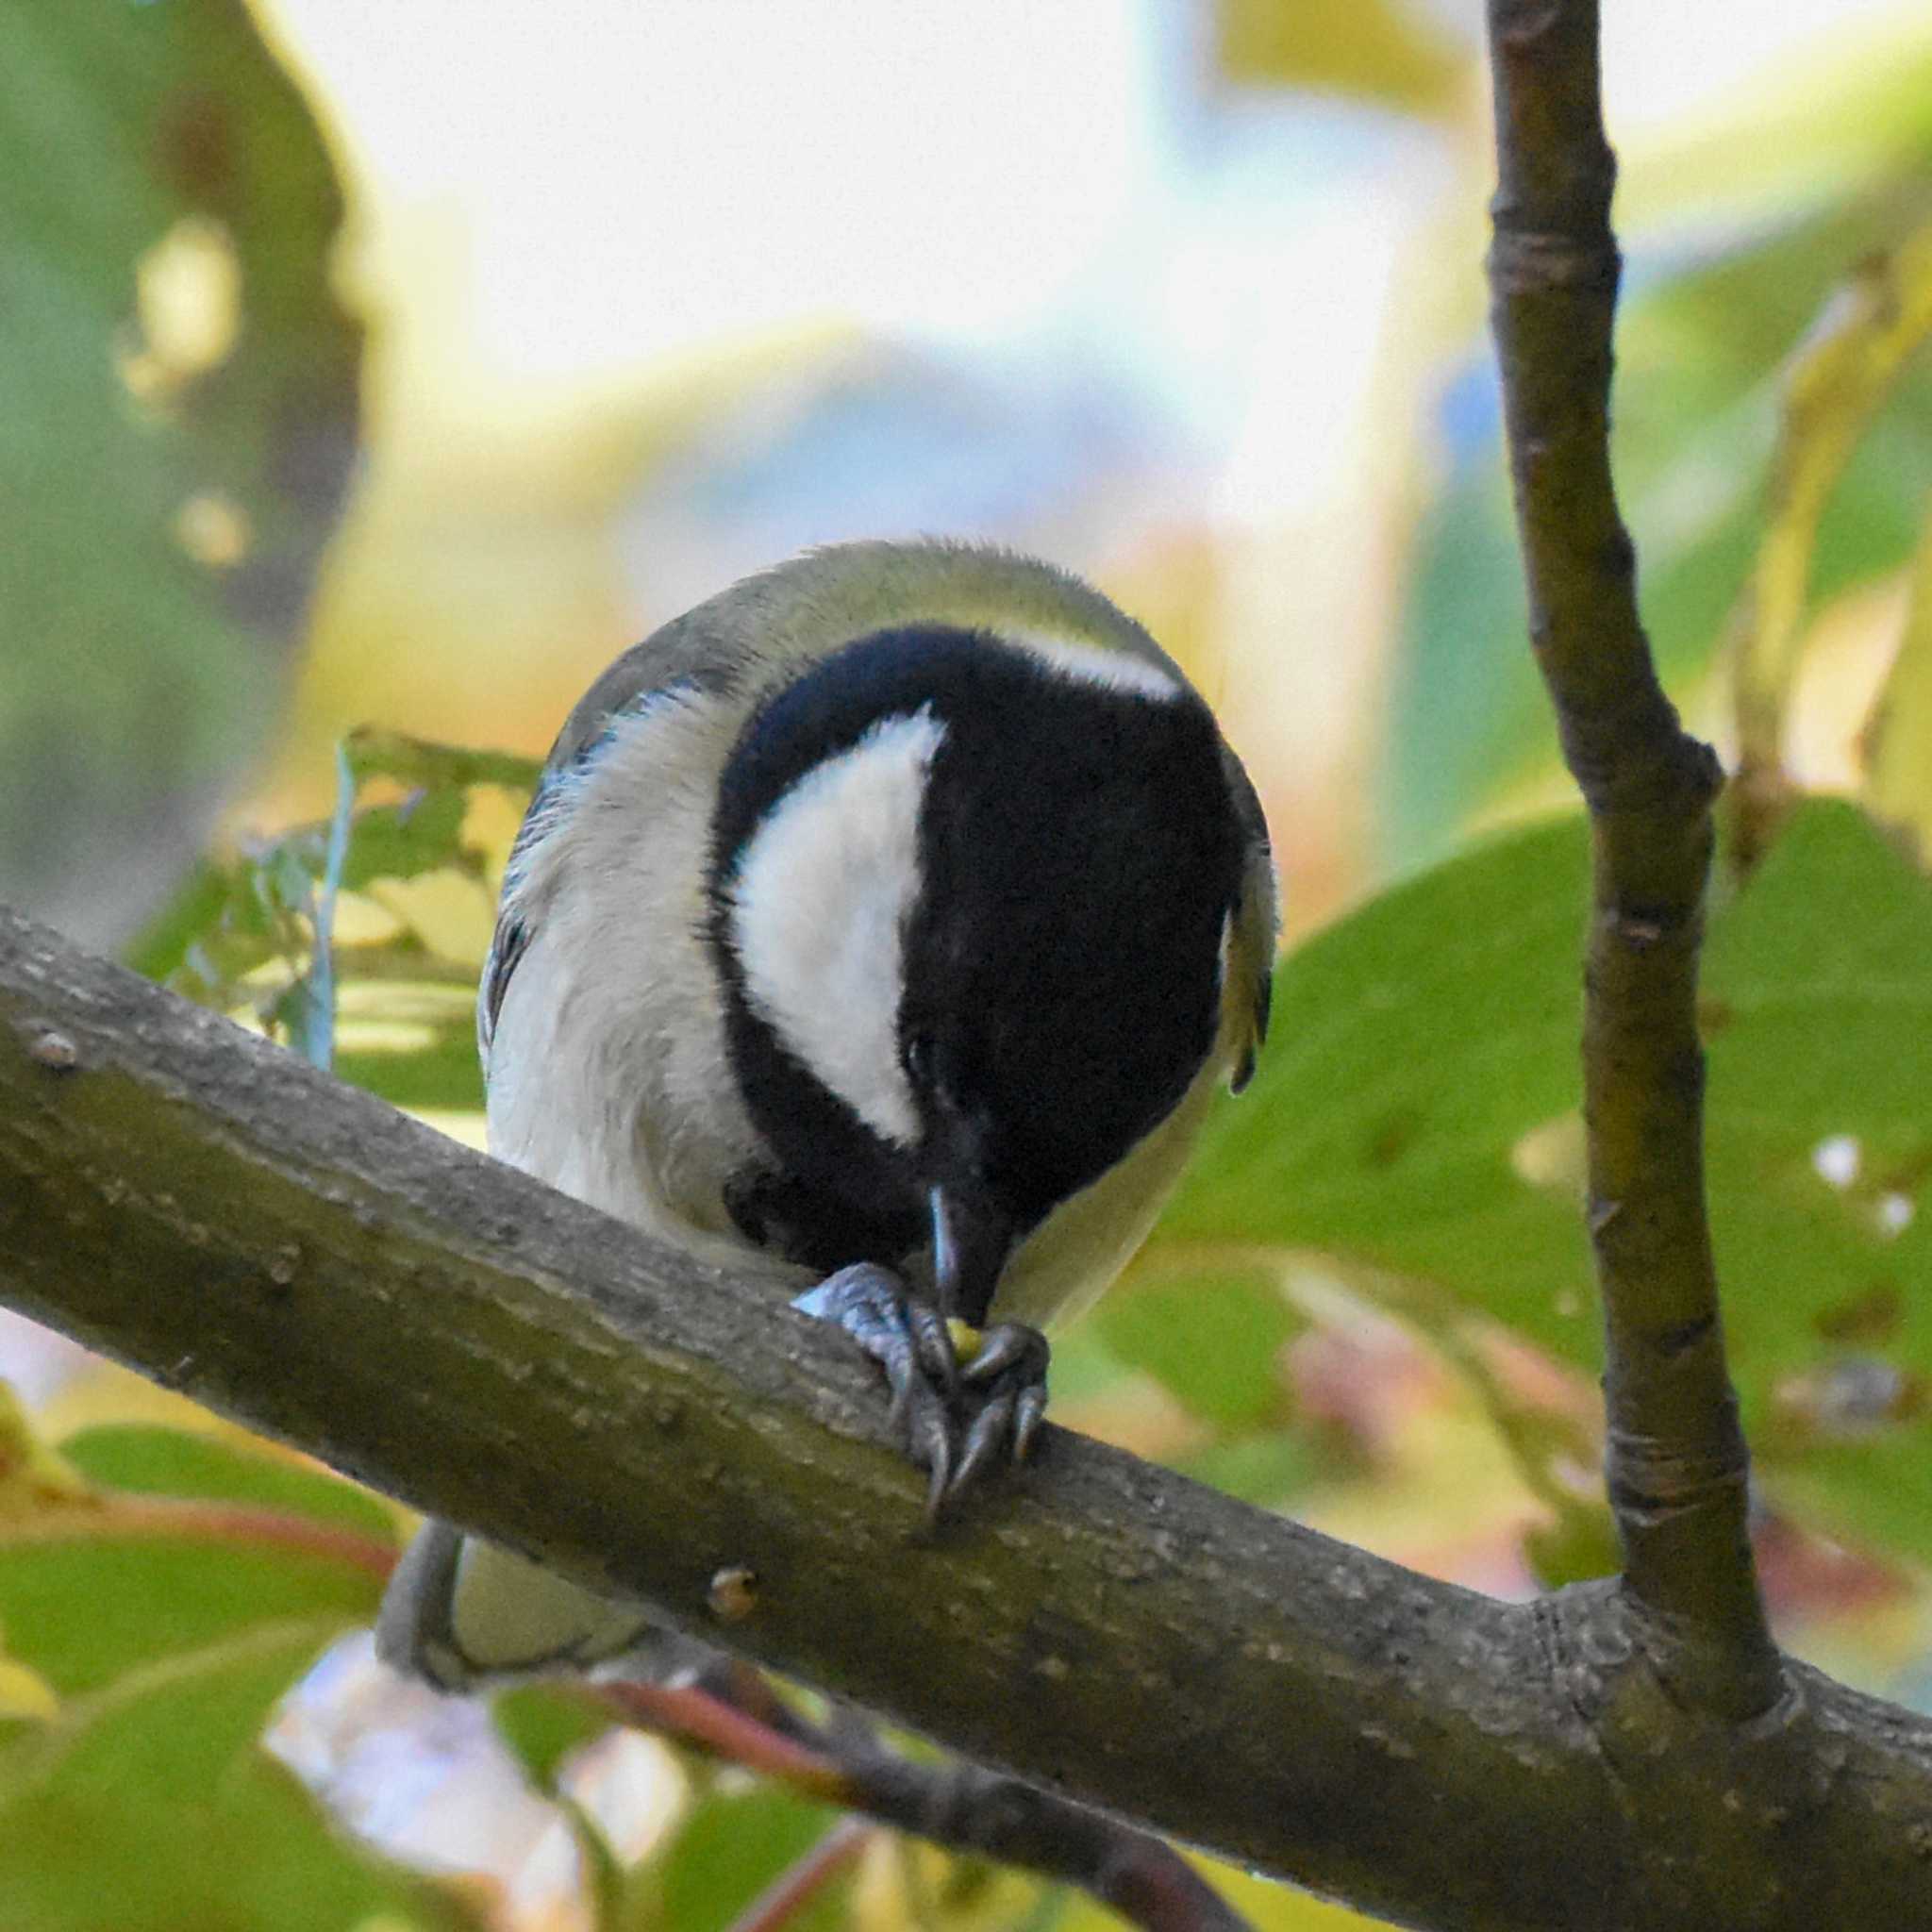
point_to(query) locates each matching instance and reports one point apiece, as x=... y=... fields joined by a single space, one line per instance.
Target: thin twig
x=968 y=1809
x=704 y=1718
x=958 y=1807
x=1678 y=1463
x=120 y=1516
x=797 y=1886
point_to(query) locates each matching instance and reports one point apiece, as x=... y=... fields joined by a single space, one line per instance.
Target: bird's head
x=970 y=901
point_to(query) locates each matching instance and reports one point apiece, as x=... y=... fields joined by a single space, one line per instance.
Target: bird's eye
x=921 y=1058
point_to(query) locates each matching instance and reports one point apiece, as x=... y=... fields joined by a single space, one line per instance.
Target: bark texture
x=210 y=1208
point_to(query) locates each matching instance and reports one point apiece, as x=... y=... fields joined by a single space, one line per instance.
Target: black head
x=968 y=901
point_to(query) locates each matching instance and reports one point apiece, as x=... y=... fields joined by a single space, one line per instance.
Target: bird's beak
x=971 y=1240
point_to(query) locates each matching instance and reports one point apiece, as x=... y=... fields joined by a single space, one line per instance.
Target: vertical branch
x=1677 y=1464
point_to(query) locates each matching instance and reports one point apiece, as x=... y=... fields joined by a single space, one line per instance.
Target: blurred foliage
x=1898 y=740
x=1414 y=1045
x=735 y=1845
x=1384 y=50
x=1415 y=1122
x=1705 y=378
x=181 y=410
x=262 y=933
x=1831 y=387
x=163 y=1591
x=729 y=1840
x=179 y=391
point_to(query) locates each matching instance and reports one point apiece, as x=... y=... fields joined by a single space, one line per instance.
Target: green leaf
x=84 y=1610
x=175 y=1725
x=403 y=842
x=160 y=950
x=1415 y=1115
x=229 y=921
x=179 y=391
x=96 y=1585
x=1213 y=1342
x=1414 y=1044
x=1466 y=704
x=425 y=764
x=151 y=1807
x=387 y=1013
x=436 y=1070
x=542 y=1723
x=1874 y=1489
x=34 y=1476
x=152 y=1460
x=1820 y=981
x=731 y=1848
x=1575 y=1545
x=168 y=1589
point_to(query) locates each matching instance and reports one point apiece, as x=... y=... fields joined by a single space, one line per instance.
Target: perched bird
x=894 y=912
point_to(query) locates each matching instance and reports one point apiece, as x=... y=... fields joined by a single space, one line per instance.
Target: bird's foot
x=910 y=1342
x=957 y=1422
x=1003 y=1387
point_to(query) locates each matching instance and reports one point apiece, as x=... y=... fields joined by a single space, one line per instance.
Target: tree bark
x=187 y=1197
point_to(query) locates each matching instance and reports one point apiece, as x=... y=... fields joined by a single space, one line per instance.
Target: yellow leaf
x=33 y=1476
x=1378 y=50
x=25 y=1693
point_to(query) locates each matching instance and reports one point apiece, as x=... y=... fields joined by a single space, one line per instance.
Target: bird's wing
x=684 y=656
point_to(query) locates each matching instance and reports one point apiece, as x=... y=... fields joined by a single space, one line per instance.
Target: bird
x=893 y=915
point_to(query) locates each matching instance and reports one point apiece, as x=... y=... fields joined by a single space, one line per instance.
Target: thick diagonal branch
x=1677 y=1464
x=189 y=1198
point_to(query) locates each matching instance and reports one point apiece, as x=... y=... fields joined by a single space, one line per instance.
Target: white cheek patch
x=1115 y=671
x=819 y=906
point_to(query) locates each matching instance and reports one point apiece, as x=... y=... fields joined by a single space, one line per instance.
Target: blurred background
x=396 y=369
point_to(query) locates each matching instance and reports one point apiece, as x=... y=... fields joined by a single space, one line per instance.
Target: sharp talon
x=1000 y=1349
x=985 y=1440
x=931 y=1427
x=1007 y=1381
x=1027 y=1415
x=934 y=1342
x=936 y=1492
x=934 y=1452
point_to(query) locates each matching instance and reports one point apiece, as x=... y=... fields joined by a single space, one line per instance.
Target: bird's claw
x=1010 y=1371
x=957 y=1424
